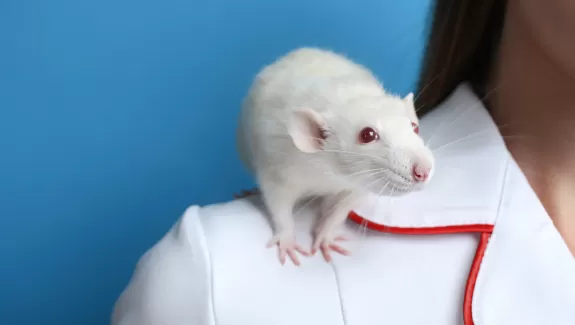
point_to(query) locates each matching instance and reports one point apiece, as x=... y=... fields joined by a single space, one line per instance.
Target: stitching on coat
x=210 y=270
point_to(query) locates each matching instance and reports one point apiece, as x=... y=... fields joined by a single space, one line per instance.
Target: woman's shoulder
x=476 y=245
x=214 y=264
x=216 y=255
x=171 y=275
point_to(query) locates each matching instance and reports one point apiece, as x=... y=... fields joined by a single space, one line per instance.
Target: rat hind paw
x=326 y=244
x=287 y=246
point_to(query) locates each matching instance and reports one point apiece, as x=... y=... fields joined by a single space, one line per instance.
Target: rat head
x=373 y=143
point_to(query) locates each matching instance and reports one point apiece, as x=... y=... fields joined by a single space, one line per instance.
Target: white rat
x=314 y=123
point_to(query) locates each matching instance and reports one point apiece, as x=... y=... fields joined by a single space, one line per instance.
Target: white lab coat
x=476 y=247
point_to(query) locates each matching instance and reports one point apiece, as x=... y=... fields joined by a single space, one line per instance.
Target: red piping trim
x=472 y=278
x=441 y=230
x=484 y=230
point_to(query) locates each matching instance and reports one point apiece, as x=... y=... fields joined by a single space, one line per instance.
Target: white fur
x=302 y=92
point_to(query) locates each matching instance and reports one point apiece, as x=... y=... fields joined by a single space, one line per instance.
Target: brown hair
x=463 y=41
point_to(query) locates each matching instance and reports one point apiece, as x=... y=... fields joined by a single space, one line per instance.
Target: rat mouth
x=397 y=183
x=393 y=183
x=385 y=179
x=400 y=177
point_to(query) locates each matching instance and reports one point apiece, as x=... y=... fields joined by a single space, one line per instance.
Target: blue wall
x=115 y=115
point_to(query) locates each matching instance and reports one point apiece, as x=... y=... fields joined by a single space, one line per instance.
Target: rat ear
x=307 y=130
x=410 y=106
x=408 y=98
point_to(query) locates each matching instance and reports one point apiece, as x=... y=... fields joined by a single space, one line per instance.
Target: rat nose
x=420 y=172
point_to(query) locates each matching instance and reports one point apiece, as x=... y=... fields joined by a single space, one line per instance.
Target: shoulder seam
x=202 y=238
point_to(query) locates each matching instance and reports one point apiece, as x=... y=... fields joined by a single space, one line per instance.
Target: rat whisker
x=307 y=203
x=379 y=193
x=365 y=171
x=383 y=188
x=366 y=175
x=376 y=180
x=363 y=228
x=333 y=208
x=444 y=69
x=423 y=90
x=391 y=198
x=354 y=162
x=471 y=135
x=461 y=114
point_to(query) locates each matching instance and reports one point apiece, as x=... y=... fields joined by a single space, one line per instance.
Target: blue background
x=115 y=115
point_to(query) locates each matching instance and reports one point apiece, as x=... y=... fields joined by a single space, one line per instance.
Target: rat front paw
x=326 y=241
x=287 y=246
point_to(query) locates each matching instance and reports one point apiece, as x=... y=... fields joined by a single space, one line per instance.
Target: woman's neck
x=534 y=105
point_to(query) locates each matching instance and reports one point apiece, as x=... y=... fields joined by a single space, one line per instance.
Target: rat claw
x=326 y=244
x=339 y=249
x=325 y=252
x=293 y=257
x=302 y=251
x=287 y=246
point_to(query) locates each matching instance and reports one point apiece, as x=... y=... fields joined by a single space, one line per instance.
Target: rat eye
x=415 y=127
x=368 y=135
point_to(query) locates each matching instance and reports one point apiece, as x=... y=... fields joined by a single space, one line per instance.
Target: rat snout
x=422 y=165
x=421 y=171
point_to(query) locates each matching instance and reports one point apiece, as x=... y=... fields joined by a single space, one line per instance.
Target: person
x=489 y=242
